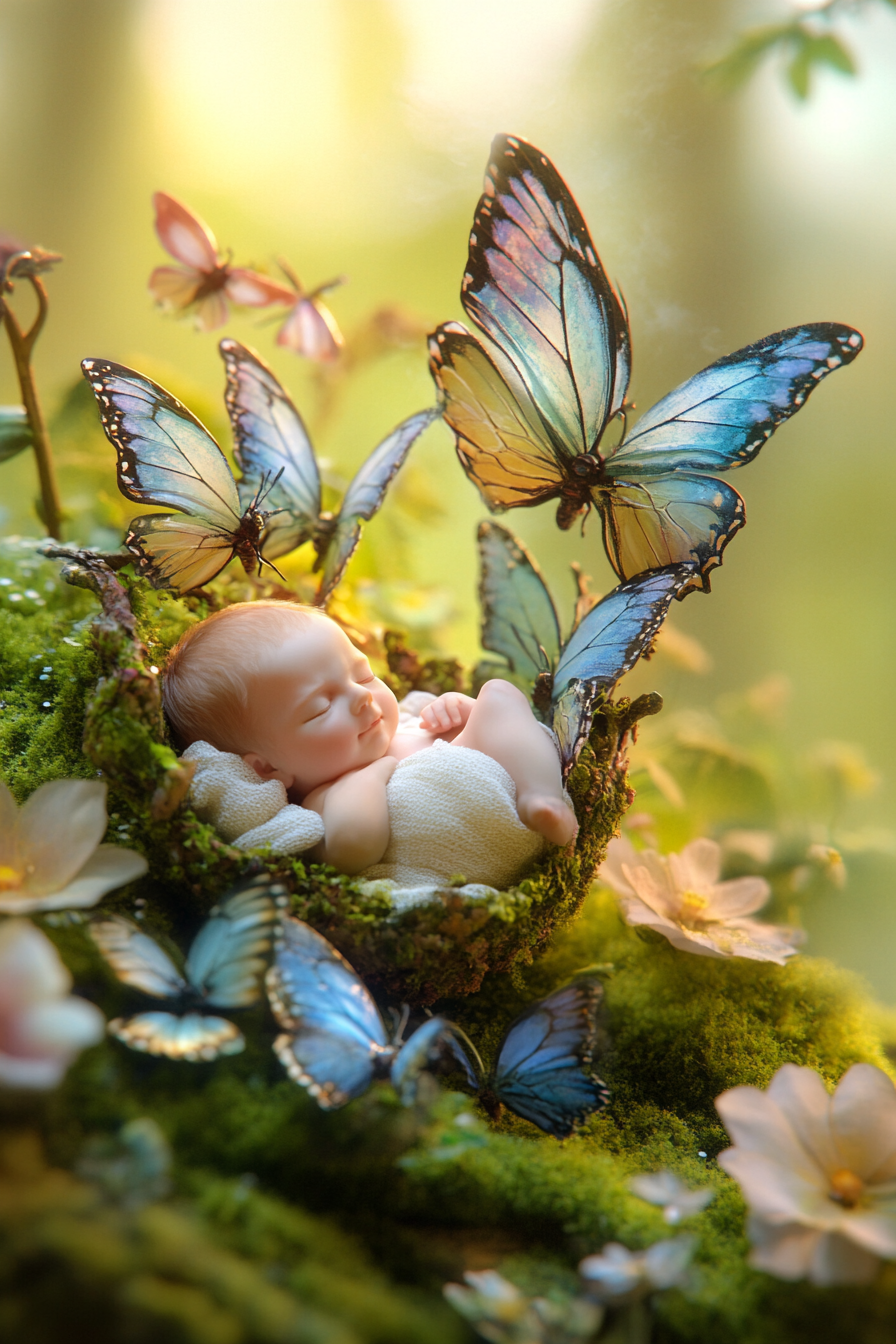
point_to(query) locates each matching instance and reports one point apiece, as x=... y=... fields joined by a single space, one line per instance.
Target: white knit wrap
x=247 y=811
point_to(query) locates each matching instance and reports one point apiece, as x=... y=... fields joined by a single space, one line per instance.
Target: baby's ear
x=266 y=771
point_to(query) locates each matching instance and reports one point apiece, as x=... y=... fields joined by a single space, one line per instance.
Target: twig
x=22 y=344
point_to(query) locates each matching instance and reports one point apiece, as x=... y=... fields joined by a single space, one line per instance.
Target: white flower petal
x=779 y=1194
x=863 y=1121
x=801 y=1095
x=636 y=912
x=9 y=817
x=697 y=941
x=59 y=1027
x=109 y=867
x=758 y=1125
x=30 y=967
x=59 y=828
x=659 y=1187
x=665 y=1262
x=614 y=1273
x=784 y=1251
x=837 y=1260
x=741 y=896
x=31 y=1073
x=699 y=863
x=874 y=1230
x=620 y=851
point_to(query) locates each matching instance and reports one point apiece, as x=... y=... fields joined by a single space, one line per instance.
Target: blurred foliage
x=803 y=44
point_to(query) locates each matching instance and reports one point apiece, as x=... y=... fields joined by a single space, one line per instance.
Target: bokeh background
x=350 y=136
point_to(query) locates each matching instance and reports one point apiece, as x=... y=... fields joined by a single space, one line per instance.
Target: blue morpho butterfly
x=272 y=443
x=543 y=1067
x=530 y=399
x=223 y=970
x=166 y=456
x=519 y=621
x=334 y=1041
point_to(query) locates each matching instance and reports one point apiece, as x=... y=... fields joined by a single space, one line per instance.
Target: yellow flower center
x=846 y=1188
x=692 y=908
x=10 y=878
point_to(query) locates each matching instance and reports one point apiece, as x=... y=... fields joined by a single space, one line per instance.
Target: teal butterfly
x=566 y=678
x=223 y=969
x=272 y=443
x=166 y=456
x=531 y=397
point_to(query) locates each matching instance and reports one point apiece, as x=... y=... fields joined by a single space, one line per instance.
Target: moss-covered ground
x=288 y=1223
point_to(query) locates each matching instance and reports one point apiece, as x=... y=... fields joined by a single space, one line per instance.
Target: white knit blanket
x=247 y=811
x=452 y=812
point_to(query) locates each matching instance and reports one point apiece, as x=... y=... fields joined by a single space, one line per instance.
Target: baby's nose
x=363 y=698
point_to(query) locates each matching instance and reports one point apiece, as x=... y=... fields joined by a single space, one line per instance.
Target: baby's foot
x=549 y=816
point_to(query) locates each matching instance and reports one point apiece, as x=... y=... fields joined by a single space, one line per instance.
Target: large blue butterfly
x=530 y=398
x=166 y=456
x=223 y=970
x=543 y=1067
x=334 y=1041
x=272 y=443
x=519 y=622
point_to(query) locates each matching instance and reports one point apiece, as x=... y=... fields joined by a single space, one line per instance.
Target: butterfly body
x=271 y=442
x=566 y=678
x=531 y=397
x=203 y=281
x=166 y=456
x=223 y=970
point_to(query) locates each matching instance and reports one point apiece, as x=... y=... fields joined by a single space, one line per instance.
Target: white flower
x=618 y=1275
x=818 y=1172
x=500 y=1312
x=50 y=852
x=41 y=1028
x=680 y=896
x=677 y=1201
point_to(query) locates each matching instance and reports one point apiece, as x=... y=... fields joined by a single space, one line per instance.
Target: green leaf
x=742 y=61
x=831 y=51
x=15 y=432
x=799 y=71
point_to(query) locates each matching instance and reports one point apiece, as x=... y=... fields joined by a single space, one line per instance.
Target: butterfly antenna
x=330 y=284
x=264 y=489
x=291 y=277
x=401 y=1021
x=459 y=1031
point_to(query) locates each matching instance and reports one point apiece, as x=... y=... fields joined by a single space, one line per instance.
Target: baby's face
x=316 y=710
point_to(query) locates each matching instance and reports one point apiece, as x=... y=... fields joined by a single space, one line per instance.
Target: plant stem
x=22 y=344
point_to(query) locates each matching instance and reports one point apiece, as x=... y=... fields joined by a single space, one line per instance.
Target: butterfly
x=542 y=1070
x=310 y=328
x=334 y=1041
x=520 y=622
x=166 y=456
x=203 y=280
x=223 y=970
x=272 y=443
x=531 y=397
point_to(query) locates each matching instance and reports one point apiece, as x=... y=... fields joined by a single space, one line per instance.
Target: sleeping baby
x=468 y=787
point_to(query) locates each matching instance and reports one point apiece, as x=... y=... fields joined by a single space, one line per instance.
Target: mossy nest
x=443 y=948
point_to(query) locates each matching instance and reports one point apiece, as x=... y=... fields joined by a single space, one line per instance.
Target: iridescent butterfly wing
x=167 y=457
x=543 y=1067
x=531 y=400
x=271 y=444
x=364 y=497
x=138 y=961
x=658 y=508
x=606 y=643
x=519 y=620
x=223 y=969
x=229 y=954
x=333 y=1041
x=436 y=1043
x=554 y=369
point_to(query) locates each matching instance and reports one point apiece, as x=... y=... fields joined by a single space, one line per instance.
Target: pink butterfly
x=204 y=278
x=310 y=328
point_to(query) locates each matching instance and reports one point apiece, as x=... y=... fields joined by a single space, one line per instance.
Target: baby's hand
x=448 y=713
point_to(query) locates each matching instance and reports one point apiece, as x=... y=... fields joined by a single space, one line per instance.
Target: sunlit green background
x=351 y=135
